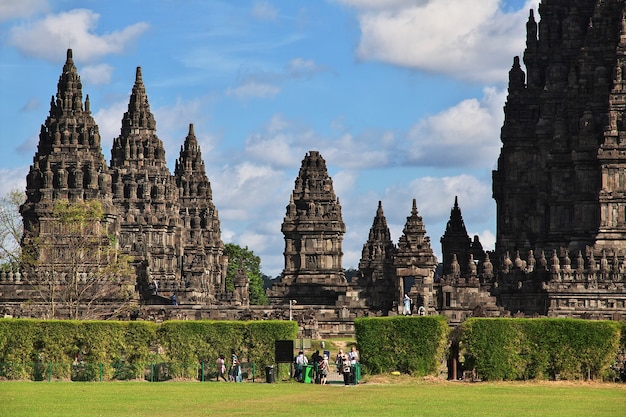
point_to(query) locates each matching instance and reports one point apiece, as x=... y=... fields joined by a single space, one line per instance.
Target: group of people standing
x=346 y=364
x=319 y=367
x=234 y=372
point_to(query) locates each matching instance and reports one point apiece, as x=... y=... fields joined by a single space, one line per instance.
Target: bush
x=90 y=350
x=414 y=345
x=514 y=349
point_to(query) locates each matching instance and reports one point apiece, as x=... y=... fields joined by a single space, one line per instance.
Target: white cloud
x=382 y=4
x=466 y=134
x=96 y=74
x=109 y=121
x=173 y=121
x=487 y=239
x=262 y=84
x=11 y=9
x=303 y=68
x=466 y=39
x=253 y=89
x=49 y=37
x=13 y=179
x=263 y=10
x=32 y=104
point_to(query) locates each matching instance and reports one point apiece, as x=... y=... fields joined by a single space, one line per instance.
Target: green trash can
x=356 y=373
x=307 y=374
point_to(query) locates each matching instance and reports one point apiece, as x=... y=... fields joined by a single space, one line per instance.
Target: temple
x=166 y=224
x=559 y=188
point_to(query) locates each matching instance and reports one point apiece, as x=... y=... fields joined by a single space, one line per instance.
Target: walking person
x=406 y=301
x=234 y=373
x=301 y=361
x=353 y=357
x=338 y=359
x=221 y=368
x=345 y=369
x=323 y=369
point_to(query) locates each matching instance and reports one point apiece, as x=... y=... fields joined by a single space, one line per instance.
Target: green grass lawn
x=405 y=396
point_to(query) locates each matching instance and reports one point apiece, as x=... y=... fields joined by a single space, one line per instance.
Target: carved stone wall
x=166 y=223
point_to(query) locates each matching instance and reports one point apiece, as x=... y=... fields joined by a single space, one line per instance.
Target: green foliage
x=79 y=213
x=499 y=345
x=83 y=266
x=414 y=345
x=11 y=229
x=252 y=265
x=514 y=349
x=90 y=350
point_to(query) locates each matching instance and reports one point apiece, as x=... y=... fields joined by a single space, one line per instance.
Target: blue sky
x=403 y=98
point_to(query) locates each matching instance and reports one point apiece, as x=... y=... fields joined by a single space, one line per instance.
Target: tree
x=252 y=265
x=76 y=266
x=11 y=229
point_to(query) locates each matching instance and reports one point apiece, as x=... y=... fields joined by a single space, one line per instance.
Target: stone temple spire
x=376 y=274
x=313 y=228
x=146 y=192
x=139 y=118
x=414 y=258
x=206 y=275
x=69 y=90
x=138 y=144
x=414 y=243
x=455 y=240
x=190 y=172
x=68 y=166
x=69 y=149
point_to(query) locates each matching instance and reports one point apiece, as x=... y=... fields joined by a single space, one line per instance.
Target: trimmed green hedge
x=90 y=350
x=518 y=349
x=415 y=345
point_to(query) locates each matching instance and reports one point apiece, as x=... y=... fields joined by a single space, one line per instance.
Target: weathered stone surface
x=313 y=228
x=167 y=223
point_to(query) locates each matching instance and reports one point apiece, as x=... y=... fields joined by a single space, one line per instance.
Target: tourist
x=316 y=358
x=353 y=357
x=234 y=373
x=338 y=360
x=407 y=305
x=346 y=369
x=300 y=362
x=221 y=368
x=323 y=370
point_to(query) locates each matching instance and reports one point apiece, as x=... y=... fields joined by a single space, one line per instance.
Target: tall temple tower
x=167 y=225
x=560 y=184
x=560 y=179
x=68 y=167
x=313 y=228
x=146 y=194
x=455 y=242
x=204 y=264
x=415 y=260
x=377 y=278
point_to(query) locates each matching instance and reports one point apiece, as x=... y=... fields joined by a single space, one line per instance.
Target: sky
x=403 y=99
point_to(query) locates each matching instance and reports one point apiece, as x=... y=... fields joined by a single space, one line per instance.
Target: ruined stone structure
x=559 y=186
x=313 y=227
x=376 y=272
x=166 y=223
x=560 y=181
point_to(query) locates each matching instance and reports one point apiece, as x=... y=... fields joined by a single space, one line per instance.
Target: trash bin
x=270 y=377
x=307 y=373
x=356 y=373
